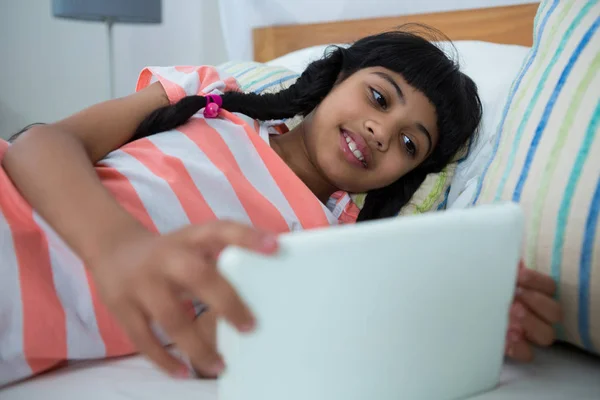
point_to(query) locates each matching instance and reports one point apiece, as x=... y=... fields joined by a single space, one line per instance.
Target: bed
x=485 y=37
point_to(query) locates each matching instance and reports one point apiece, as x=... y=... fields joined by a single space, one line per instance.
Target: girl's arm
x=141 y=277
x=52 y=166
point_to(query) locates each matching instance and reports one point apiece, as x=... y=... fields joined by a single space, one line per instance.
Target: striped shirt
x=206 y=169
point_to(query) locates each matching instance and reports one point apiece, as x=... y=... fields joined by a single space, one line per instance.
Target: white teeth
x=354 y=149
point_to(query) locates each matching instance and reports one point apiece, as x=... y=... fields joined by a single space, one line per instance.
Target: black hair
x=406 y=51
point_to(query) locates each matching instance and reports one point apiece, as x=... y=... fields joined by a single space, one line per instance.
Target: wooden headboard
x=509 y=25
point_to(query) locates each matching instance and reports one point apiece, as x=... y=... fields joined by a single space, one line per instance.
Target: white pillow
x=298 y=60
x=492 y=66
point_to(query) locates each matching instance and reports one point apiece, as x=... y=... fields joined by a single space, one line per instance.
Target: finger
x=137 y=327
x=205 y=364
x=514 y=336
x=200 y=277
x=179 y=326
x=542 y=305
x=536 y=330
x=515 y=326
x=218 y=293
x=514 y=321
x=519 y=351
x=219 y=235
x=206 y=326
x=534 y=280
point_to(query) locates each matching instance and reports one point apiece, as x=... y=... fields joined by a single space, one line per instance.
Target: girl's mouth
x=354 y=148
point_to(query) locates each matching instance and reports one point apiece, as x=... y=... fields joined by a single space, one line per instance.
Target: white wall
x=48 y=67
x=190 y=35
x=52 y=68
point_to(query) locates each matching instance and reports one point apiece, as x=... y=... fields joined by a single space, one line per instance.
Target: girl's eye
x=378 y=97
x=409 y=145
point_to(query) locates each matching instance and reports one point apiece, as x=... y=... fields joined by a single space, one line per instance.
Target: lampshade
x=130 y=11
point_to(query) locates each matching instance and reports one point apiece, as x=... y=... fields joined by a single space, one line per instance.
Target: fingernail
x=514 y=337
x=513 y=327
x=519 y=291
x=182 y=373
x=518 y=311
x=218 y=367
x=511 y=352
x=248 y=327
x=268 y=243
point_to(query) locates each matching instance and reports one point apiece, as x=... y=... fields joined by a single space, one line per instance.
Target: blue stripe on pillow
x=536 y=95
x=444 y=203
x=260 y=78
x=277 y=82
x=585 y=267
x=244 y=72
x=538 y=14
x=510 y=99
x=548 y=111
x=565 y=205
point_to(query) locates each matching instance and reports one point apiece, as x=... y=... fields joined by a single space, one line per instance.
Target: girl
x=138 y=190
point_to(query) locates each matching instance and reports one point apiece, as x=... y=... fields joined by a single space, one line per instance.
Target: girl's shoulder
x=185 y=80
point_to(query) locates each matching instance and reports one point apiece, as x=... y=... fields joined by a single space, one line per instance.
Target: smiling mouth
x=354 y=152
x=354 y=149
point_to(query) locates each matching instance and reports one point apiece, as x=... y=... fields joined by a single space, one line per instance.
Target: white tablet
x=405 y=308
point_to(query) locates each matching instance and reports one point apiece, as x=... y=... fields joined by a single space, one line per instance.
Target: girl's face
x=370 y=130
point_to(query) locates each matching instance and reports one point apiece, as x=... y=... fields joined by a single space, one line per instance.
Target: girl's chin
x=349 y=185
x=345 y=178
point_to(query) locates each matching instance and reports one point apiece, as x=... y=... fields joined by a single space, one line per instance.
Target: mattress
x=557 y=373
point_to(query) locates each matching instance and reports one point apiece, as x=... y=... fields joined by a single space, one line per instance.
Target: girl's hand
x=146 y=278
x=532 y=315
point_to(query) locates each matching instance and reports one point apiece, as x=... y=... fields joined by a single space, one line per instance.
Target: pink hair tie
x=213 y=105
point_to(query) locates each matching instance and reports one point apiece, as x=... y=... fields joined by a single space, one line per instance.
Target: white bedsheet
x=556 y=374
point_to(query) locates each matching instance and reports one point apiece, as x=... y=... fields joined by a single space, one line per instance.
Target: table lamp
x=109 y=12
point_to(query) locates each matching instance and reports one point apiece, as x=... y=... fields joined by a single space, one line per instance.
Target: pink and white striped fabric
x=204 y=170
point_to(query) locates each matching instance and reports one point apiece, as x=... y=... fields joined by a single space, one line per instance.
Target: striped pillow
x=261 y=78
x=546 y=158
